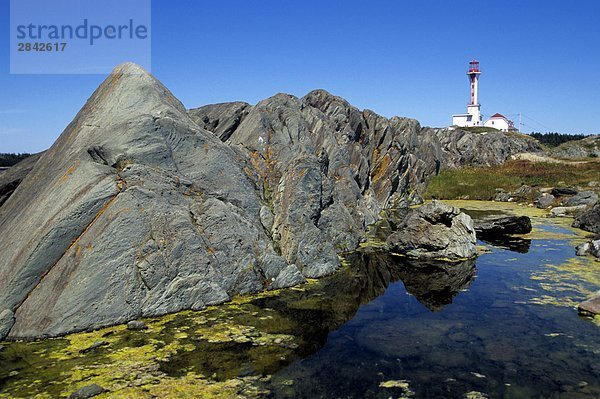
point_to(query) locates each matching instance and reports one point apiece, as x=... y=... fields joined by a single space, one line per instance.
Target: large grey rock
x=134 y=211
x=483 y=149
x=501 y=195
x=589 y=220
x=503 y=225
x=435 y=231
x=583 y=198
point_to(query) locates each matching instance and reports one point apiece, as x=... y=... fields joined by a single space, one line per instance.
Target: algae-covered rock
x=88 y=391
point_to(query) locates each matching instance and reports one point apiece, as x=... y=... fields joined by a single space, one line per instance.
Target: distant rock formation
x=141 y=207
x=588 y=147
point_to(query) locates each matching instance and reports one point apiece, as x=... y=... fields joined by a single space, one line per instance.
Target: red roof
x=498 y=116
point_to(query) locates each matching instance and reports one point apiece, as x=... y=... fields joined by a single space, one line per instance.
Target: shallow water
x=512 y=332
x=504 y=326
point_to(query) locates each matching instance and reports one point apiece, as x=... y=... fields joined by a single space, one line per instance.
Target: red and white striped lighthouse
x=473 y=116
x=473 y=75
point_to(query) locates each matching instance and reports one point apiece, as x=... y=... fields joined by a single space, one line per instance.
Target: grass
x=481 y=182
x=478 y=129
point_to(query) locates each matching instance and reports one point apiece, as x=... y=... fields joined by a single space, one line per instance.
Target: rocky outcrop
x=588 y=147
x=502 y=226
x=491 y=148
x=221 y=119
x=134 y=211
x=435 y=231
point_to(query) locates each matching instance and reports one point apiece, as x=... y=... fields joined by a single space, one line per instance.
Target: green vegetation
x=10 y=159
x=479 y=129
x=556 y=139
x=481 y=182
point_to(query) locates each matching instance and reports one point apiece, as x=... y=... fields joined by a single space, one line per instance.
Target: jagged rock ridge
x=138 y=210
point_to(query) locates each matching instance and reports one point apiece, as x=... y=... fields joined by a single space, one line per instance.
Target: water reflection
x=512 y=243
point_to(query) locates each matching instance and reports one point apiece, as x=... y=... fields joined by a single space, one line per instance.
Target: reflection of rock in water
x=434 y=284
x=515 y=244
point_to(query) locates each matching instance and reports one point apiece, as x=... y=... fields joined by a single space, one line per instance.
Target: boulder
x=545 y=200
x=503 y=226
x=591 y=307
x=562 y=191
x=589 y=220
x=524 y=193
x=136 y=325
x=567 y=211
x=435 y=231
x=501 y=195
x=88 y=391
x=590 y=247
x=582 y=198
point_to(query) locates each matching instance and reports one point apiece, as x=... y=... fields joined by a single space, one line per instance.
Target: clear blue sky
x=407 y=58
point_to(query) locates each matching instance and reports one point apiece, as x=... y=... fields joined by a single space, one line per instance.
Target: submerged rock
x=503 y=226
x=435 y=231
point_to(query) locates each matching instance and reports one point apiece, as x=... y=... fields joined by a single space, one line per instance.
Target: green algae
x=219 y=352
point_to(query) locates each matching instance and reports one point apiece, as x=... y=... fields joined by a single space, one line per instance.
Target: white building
x=500 y=122
x=473 y=116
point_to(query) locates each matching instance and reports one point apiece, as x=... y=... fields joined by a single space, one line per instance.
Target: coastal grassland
x=480 y=183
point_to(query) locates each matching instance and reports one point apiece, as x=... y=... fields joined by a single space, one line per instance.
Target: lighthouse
x=473 y=116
